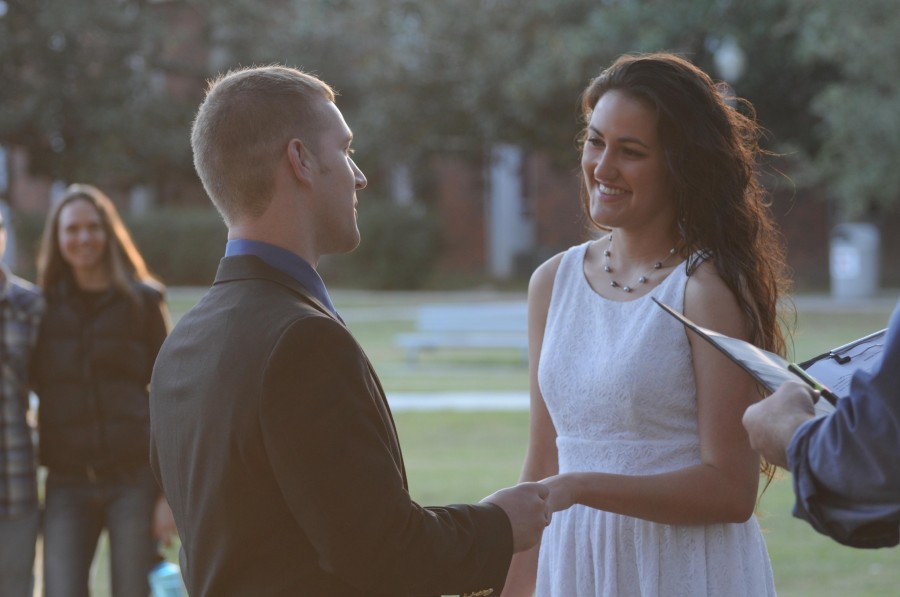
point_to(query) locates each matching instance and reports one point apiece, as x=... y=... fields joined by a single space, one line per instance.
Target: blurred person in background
x=106 y=319
x=844 y=466
x=21 y=308
x=635 y=423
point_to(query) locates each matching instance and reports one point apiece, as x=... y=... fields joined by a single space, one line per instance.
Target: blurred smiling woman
x=106 y=319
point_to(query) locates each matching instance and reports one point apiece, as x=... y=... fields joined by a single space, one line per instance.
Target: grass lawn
x=376 y=317
x=461 y=457
x=455 y=457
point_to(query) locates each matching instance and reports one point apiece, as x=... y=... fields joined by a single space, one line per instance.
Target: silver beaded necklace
x=641 y=280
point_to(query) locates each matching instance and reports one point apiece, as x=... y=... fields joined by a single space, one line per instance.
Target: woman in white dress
x=636 y=423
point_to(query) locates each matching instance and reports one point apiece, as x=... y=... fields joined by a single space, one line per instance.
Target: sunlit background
x=465 y=115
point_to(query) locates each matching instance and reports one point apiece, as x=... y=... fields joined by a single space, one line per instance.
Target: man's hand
x=528 y=511
x=163 y=522
x=771 y=423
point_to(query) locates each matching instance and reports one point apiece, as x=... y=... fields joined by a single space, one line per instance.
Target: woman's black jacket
x=94 y=360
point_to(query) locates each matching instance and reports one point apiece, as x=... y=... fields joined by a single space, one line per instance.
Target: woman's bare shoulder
x=541 y=284
x=709 y=301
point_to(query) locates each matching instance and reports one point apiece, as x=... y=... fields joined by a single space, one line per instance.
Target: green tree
x=458 y=75
x=859 y=111
x=85 y=86
x=77 y=90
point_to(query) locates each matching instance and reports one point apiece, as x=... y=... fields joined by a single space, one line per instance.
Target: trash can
x=854 y=260
x=9 y=258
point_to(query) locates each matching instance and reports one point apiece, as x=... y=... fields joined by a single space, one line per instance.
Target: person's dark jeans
x=77 y=510
x=17 y=538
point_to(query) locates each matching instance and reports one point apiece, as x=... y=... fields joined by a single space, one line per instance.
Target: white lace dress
x=618 y=381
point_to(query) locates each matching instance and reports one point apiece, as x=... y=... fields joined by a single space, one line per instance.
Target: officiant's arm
x=844 y=465
x=771 y=423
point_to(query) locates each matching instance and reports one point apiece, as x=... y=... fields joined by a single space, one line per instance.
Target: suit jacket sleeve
x=844 y=465
x=335 y=457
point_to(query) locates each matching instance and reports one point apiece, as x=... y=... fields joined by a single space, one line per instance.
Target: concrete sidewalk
x=886 y=300
x=458 y=401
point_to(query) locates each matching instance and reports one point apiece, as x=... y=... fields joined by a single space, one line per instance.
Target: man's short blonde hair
x=242 y=129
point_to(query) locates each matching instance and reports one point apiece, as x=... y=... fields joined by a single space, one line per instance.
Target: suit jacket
x=275 y=446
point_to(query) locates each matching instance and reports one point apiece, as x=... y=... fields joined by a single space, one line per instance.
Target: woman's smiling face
x=82 y=238
x=624 y=166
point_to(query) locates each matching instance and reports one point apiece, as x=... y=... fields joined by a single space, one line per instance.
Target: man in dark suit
x=271 y=435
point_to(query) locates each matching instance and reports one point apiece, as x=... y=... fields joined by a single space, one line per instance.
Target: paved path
x=884 y=301
x=465 y=401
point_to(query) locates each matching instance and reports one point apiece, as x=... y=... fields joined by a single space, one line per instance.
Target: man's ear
x=301 y=159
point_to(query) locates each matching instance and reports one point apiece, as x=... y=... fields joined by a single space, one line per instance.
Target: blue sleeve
x=846 y=466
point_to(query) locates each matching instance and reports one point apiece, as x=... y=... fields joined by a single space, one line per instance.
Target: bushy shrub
x=181 y=246
x=27 y=236
x=400 y=245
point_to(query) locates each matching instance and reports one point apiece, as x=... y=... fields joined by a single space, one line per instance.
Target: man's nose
x=361 y=181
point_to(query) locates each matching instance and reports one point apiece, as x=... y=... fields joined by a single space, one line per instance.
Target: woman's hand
x=563 y=491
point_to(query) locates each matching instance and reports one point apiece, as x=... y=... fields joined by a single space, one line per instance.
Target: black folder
x=829 y=372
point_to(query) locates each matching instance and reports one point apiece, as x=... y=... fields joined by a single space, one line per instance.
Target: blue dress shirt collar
x=287 y=262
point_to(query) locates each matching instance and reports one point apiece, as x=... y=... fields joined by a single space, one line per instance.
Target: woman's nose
x=604 y=167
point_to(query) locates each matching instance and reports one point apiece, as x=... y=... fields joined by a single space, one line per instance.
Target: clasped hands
x=770 y=425
x=530 y=506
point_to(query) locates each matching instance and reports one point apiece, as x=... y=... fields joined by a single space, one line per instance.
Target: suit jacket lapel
x=248 y=267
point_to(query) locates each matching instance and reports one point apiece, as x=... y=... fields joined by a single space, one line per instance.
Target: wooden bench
x=484 y=325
